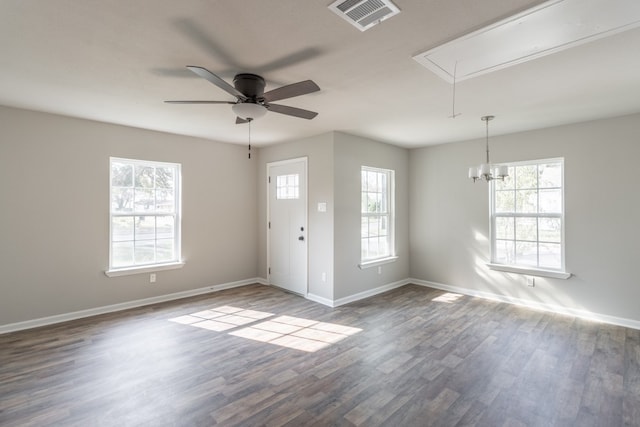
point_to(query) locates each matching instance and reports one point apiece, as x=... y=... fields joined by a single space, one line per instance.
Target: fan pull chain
x=453 y=103
x=249 y=138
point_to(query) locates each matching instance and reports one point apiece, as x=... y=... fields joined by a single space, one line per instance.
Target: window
x=145 y=214
x=377 y=220
x=527 y=216
x=288 y=186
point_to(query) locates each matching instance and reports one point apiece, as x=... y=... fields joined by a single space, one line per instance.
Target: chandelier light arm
x=486 y=171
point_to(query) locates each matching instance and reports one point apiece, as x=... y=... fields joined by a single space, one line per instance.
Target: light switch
x=322 y=207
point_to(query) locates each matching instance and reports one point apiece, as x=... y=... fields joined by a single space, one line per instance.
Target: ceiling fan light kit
x=249 y=110
x=486 y=171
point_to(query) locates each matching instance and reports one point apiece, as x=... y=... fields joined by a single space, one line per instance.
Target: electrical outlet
x=379 y=269
x=152 y=278
x=324 y=276
x=530 y=281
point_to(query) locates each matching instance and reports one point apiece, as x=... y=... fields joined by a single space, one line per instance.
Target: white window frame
x=137 y=268
x=559 y=273
x=390 y=214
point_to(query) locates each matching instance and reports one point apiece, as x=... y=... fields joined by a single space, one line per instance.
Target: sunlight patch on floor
x=286 y=331
x=448 y=298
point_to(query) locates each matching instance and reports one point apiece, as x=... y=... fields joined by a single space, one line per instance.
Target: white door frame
x=305 y=161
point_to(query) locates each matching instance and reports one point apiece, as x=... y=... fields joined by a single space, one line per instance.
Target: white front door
x=287 y=225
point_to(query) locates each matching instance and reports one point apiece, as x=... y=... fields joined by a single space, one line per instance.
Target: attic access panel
x=364 y=14
x=542 y=30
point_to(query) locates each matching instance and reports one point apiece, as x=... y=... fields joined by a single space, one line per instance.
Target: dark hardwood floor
x=256 y=356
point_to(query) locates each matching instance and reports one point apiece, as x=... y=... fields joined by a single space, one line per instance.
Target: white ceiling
x=117 y=61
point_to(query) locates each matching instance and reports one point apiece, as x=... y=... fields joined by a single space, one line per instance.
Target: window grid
x=288 y=187
x=546 y=217
x=144 y=211
x=376 y=213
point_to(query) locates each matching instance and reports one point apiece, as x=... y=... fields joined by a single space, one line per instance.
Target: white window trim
x=391 y=203
x=377 y=262
x=143 y=269
x=539 y=272
x=149 y=268
x=560 y=273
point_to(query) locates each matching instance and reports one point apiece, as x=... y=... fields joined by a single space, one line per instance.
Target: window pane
x=372 y=181
x=144 y=200
x=384 y=226
x=508 y=183
x=144 y=176
x=505 y=252
x=526 y=229
x=122 y=228
x=144 y=251
x=164 y=227
x=373 y=248
x=505 y=228
x=550 y=255
x=165 y=201
x=373 y=205
x=164 y=250
x=364 y=249
x=526 y=201
x=550 y=230
x=164 y=177
x=121 y=174
x=383 y=247
x=374 y=226
x=550 y=175
x=145 y=228
x=551 y=201
x=526 y=177
x=121 y=200
x=527 y=253
x=505 y=201
x=122 y=254
x=383 y=202
x=287 y=187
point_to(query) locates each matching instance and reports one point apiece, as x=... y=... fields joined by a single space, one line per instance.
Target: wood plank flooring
x=256 y=356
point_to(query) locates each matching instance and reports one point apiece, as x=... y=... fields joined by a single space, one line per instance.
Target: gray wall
x=54 y=224
x=350 y=154
x=450 y=216
x=334 y=237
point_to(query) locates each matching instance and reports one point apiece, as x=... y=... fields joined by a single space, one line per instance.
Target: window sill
x=530 y=271
x=144 y=269
x=377 y=262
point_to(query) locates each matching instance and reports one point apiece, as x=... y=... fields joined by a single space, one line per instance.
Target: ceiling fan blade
x=208 y=75
x=240 y=120
x=199 y=102
x=289 y=91
x=292 y=111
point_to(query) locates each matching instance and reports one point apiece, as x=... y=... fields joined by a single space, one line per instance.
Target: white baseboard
x=583 y=314
x=370 y=292
x=43 y=321
x=320 y=300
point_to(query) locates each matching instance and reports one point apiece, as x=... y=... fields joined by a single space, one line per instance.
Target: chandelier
x=487 y=171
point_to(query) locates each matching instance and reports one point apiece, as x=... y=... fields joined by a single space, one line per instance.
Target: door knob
x=301 y=238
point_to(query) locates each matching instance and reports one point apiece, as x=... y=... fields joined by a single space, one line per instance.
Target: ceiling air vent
x=364 y=14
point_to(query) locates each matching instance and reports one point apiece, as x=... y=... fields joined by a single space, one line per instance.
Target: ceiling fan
x=251 y=100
